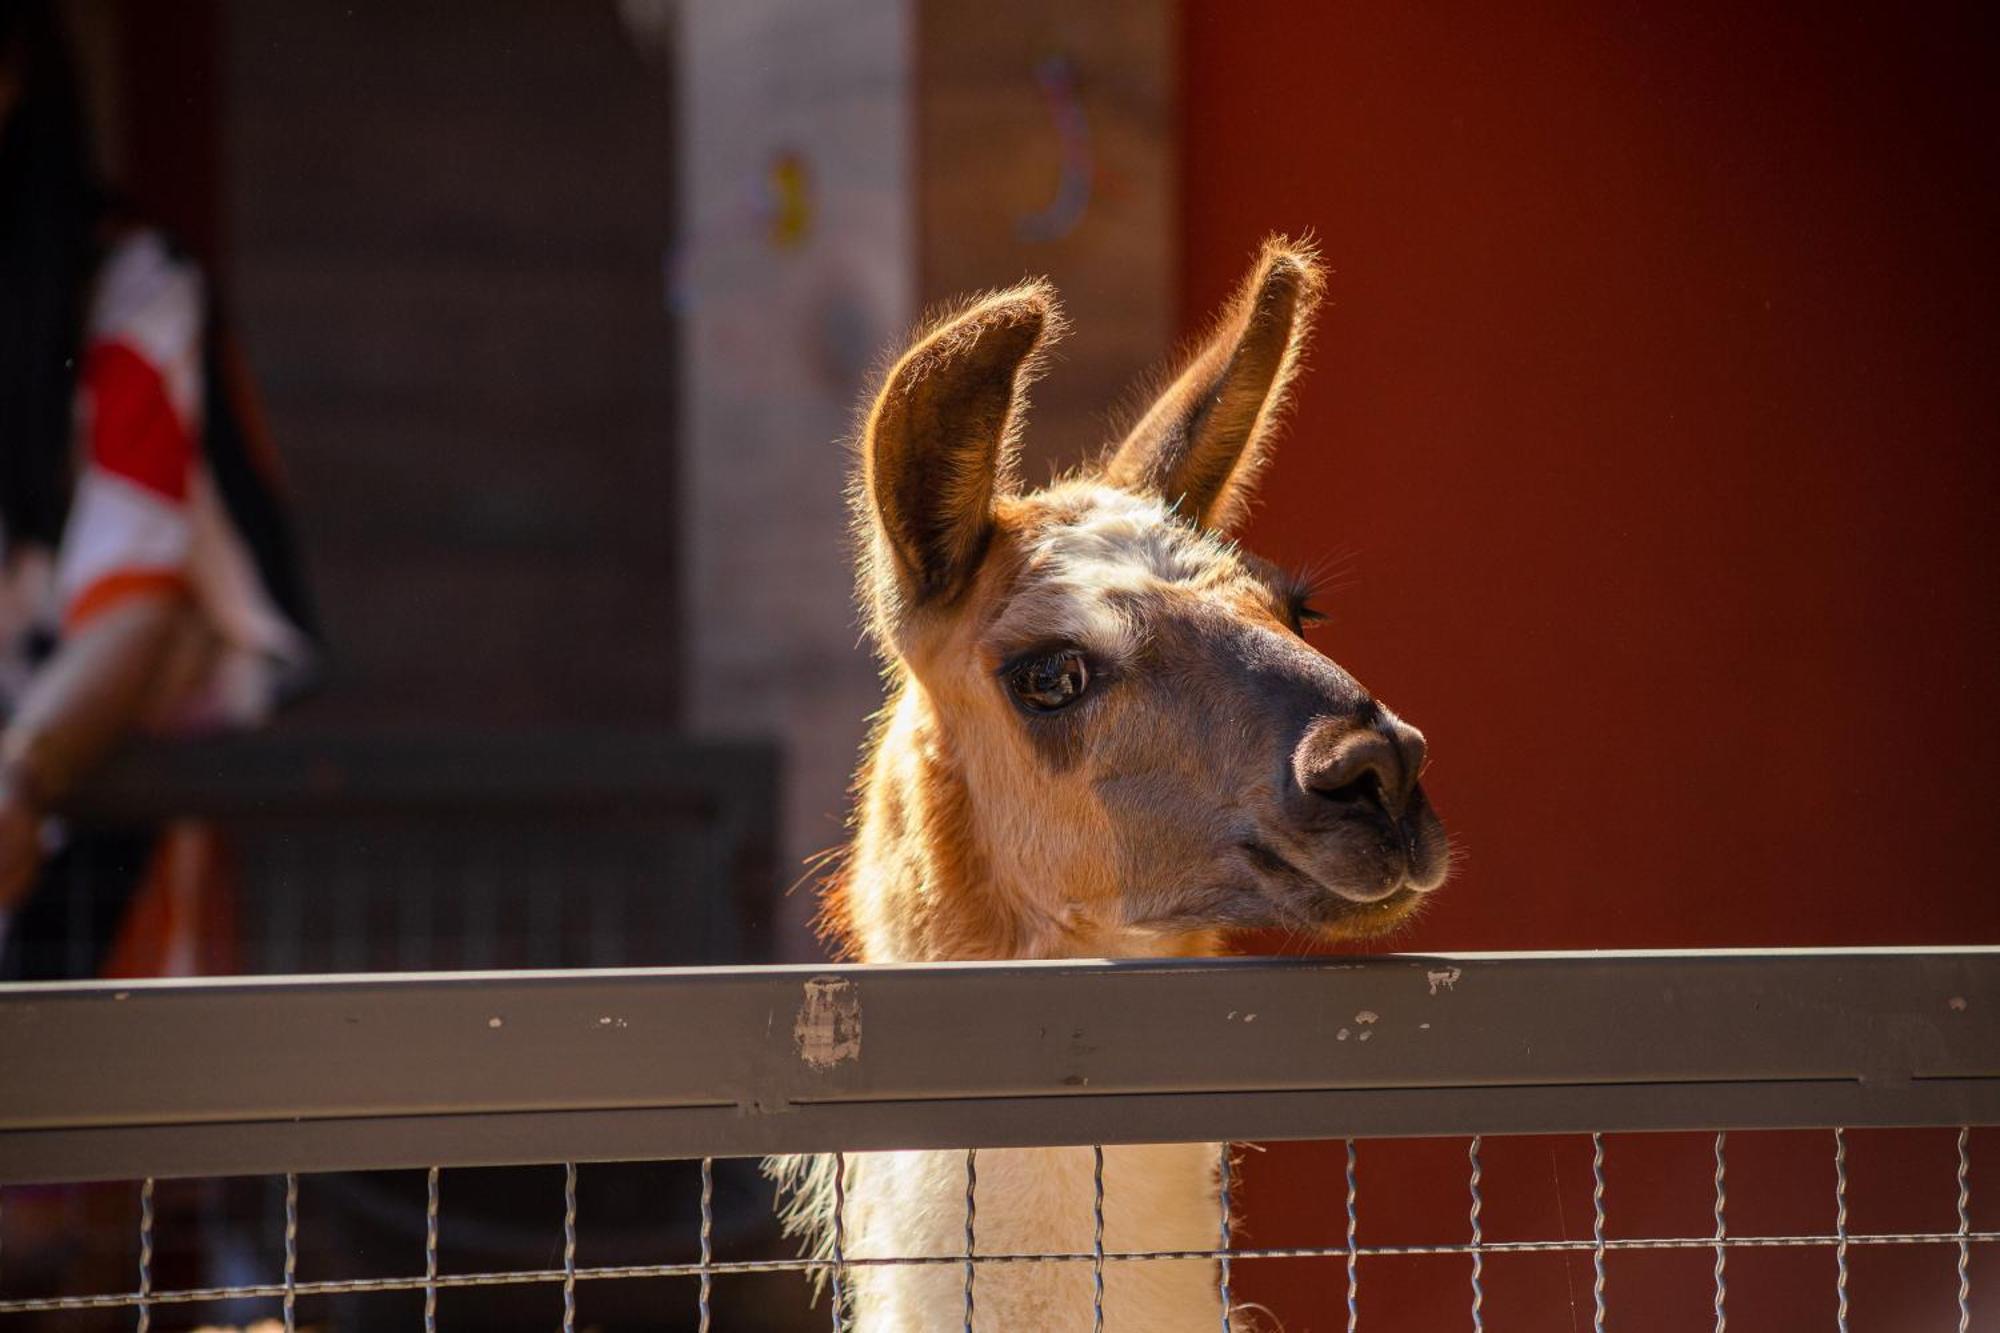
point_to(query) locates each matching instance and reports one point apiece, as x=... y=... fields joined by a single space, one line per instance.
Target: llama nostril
x=1373 y=766
x=1364 y=790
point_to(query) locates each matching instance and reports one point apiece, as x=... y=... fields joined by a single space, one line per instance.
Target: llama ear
x=1202 y=443
x=940 y=440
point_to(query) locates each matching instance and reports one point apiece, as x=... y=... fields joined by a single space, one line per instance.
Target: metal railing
x=283 y=1077
x=398 y=851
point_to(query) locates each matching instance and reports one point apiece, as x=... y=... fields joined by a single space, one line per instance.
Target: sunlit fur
x=1147 y=819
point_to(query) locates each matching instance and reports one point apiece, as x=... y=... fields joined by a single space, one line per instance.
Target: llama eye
x=1305 y=616
x=1047 y=684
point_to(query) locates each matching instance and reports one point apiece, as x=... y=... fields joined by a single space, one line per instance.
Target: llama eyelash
x=1298 y=589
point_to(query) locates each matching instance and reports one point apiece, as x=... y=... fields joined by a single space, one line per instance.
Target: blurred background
x=1650 y=431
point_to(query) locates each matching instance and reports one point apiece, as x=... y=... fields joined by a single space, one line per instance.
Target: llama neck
x=927 y=883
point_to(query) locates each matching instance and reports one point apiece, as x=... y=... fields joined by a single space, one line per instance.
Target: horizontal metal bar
x=114 y=1080
x=293 y=776
x=500 y=1139
x=738 y=1267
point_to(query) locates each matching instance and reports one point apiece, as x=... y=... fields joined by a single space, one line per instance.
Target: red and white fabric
x=146 y=517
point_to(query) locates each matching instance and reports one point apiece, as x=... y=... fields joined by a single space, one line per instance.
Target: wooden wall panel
x=1003 y=191
x=446 y=231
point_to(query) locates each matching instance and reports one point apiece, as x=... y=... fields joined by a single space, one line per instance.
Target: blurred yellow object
x=790 y=182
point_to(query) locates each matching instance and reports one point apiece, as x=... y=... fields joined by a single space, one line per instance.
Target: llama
x=1105 y=736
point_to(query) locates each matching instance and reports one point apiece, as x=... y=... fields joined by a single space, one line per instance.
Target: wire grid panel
x=1348 y=1254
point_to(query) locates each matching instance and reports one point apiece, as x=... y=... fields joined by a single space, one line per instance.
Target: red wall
x=1653 y=411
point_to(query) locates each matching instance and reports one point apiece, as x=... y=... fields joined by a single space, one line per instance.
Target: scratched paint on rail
x=828 y=1031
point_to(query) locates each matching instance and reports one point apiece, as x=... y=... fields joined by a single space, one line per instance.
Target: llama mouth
x=1360 y=921
x=1276 y=894
x=1347 y=889
x=1333 y=906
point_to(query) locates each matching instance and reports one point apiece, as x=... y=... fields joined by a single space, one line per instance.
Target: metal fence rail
x=394 y=852
x=119 y=1080
x=291 y=1076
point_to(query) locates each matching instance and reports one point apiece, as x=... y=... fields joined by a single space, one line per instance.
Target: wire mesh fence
x=1875 y=1040
x=680 y=1290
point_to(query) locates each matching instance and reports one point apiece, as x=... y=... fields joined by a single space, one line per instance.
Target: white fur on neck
x=1030 y=1201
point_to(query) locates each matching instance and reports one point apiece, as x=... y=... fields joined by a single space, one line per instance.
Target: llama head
x=1146 y=739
